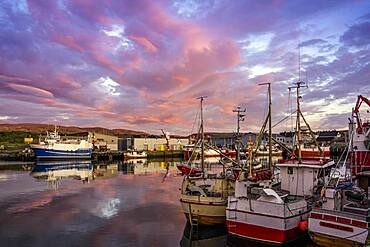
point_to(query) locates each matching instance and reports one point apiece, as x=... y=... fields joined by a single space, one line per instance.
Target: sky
x=141 y=64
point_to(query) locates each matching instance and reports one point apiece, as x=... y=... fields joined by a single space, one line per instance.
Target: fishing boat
x=263 y=211
x=342 y=214
x=208 y=152
x=342 y=219
x=203 y=198
x=360 y=153
x=193 y=167
x=186 y=169
x=53 y=147
x=315 y=153
x=263 y=151
x=135 y=155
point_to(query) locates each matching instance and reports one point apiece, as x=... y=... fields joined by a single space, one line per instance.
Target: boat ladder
x=194 y=222
x=232 y=209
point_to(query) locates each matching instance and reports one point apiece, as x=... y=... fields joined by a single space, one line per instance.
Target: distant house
x=225 y=139
x=286 y=137
x=332 y=136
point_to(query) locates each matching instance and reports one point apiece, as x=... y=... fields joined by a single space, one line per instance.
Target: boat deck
x=287 y=198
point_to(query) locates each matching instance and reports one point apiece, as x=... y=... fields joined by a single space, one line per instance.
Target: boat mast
x=202 y=131
x=270 y=128
x=240 y=117
x=298 y=121
x=298 y=125
x=270 y=122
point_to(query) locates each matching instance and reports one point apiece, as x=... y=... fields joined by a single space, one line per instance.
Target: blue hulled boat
x=55 y=148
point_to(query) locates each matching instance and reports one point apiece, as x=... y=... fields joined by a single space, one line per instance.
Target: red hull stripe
x=334 y=218
x=264 y=234
x=335 y=226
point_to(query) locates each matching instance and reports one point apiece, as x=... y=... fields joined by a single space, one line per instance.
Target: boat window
x=290 y=170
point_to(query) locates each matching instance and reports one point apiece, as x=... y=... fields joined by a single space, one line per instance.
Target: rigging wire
x=194 y=122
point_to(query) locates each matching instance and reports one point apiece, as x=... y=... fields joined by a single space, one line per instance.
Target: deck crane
x=167 y=136
x=356 y=112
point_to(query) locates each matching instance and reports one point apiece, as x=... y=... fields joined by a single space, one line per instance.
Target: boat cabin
x=303 y=178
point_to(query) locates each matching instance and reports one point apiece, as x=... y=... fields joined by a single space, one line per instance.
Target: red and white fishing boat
x=276 y=216
x=360 y=155
x=342 y=217
x=273 y=215
x=340 y=222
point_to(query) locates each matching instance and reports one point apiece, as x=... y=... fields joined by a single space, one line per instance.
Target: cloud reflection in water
x=107 y=209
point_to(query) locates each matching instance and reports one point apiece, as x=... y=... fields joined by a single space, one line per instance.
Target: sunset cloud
x=141 y=64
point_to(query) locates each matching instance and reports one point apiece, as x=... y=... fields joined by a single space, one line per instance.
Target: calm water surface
x=101 y=204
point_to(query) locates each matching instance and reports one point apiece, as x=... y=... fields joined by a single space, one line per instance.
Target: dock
x=107 y=155
x=165 y=154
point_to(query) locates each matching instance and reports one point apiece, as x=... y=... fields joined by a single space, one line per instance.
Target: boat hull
x=330 y=241
x=262 y=218
x=208 y=211
x=43 y=153
x=338 y=229
x=262 y=233
x=184 y=169
x=314 y=154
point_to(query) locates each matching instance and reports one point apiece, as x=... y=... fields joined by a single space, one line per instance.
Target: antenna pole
x=299 y=60
x=270 y=122
x=299 y=123
x=202 y=130
x=240 y=117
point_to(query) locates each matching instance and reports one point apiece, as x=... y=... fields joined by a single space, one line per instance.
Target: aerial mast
x=270 y=122
x=240 y=117
x=298 y=121
x=202 y=131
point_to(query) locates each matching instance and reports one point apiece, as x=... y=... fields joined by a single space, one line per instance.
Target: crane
x=356 y=111
x=166 y=135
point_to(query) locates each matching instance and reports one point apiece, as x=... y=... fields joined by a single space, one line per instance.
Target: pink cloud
x=67 y=40
x=148 y=46
x=25 y=89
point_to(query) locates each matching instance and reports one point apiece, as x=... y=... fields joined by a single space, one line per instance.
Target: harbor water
x=66 y=203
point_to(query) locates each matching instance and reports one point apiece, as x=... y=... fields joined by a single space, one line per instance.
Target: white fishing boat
x=203 y=198
x=191 y=149
x=135 y=155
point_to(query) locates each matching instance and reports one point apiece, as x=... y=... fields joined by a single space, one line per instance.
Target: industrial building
x=100 y=141
x=152 y=143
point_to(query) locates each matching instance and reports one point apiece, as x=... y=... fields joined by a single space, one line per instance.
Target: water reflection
x=133 y=203
x=114 y=208
x=54 y=171
x=104 y=170
x=205 y=236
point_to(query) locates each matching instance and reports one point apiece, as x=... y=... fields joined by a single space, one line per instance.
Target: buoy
x=303 y=225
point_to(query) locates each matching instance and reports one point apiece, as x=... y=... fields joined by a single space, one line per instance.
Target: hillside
x=40 y=128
